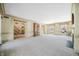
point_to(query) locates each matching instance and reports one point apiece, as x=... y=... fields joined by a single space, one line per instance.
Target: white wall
x=41 y=30
x=56 y=28
x=29 y=28
x=7 y=29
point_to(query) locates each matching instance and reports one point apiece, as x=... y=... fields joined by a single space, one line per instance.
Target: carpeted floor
x=48 y=45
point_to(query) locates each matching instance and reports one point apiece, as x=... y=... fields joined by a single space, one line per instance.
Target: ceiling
x=42 y=13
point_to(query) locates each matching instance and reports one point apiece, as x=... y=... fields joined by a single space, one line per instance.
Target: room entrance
x=19 y=29
x=36 y=29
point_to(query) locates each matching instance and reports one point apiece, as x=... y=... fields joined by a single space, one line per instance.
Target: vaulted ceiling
x=43 y=13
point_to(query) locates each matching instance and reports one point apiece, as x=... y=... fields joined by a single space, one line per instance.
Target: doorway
x=19 y=29
x=36 y=29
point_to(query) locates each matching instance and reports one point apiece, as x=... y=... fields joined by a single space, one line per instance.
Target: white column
x=0 y=29
x=41 y=30
x=29 y=29
x=76 y=31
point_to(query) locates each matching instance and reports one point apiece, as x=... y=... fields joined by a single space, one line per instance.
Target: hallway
x=26 y=31
x=47 y=45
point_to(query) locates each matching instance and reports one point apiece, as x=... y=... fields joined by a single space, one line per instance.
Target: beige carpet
x=48 y=45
